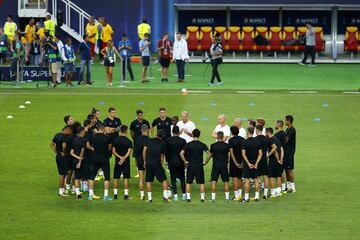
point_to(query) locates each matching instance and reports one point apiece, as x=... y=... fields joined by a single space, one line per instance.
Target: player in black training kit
x=57 y=145
x=281 y=135
x=275 y=152
x=112 y=124
x=219 y=151
x=192 y=155
x=263 y=164
x=236 y=162
x=251 y=153
x=102 y=148
x=77 y=152
x=162 y=123
x=141 y=141
x=290 y=147
x=174 y=145
x=136 y=125
x=153 y=155
x=122 y=148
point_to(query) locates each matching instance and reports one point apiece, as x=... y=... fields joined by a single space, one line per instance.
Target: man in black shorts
x=102 y=147
x=173 y=147
x=163 y=122
x=153 y=155
x=57 y=146
x=141 y=141
x=219 y=151
x=88 y=155
x=236 y=162
x=275 y=151
x=164 y=46
x=122 y=148
x=77 y=152
x=192 y=155
x=251 y=153
x=281 y=135
x=263 y=164
x=290 y=147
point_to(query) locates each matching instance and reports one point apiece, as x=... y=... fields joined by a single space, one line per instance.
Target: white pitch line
x=303 y=92
x=351 y=92
x=198 y=91
x=250 y=92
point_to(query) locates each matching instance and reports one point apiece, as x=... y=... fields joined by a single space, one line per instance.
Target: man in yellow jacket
x=91 y=31
x=107 y=32
x=143 y=28
x=49 y=25
x=10 y=28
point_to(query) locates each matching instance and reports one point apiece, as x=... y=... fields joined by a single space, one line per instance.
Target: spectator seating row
x=351 y=43
x=246 y=38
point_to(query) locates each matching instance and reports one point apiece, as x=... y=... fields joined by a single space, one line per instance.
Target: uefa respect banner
x=35 y=74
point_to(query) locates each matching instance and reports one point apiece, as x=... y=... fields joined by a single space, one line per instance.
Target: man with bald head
x=238 y=124
x=222 y=127
x=186 y=127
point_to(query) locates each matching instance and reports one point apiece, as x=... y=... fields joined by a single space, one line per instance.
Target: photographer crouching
x=216 y=52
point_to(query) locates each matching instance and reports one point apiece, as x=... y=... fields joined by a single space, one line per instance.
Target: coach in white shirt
x=186 y=127
x=238 y=124
x=222 y=127
x=180 y=54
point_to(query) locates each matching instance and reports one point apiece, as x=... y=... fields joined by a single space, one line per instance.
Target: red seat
x=247 y=38
x=301 y=31
x=233 y=38
x=205 y=36
x=223 y=34
x=319 y=39
x=262 y=31
x=275 y=38
x=192 y=38
x=351 y=43
x=289 y=35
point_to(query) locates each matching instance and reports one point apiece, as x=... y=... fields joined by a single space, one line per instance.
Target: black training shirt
x=136 y=126
x=164 y=125
x=281 y=135
x=291 y=144
x=78 y=144
x=263 y=143
x=155 y=147
x=139 y=144
x=112 y=123
x=220 y=153
x=251 y=146
x=235 y=143
x=274 y=140
x=58 y=140
x=194 y=152
x=101 y=147
x=122 y=145
x=174 y=145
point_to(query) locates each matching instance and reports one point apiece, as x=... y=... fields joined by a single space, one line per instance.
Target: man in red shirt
x=165 y=47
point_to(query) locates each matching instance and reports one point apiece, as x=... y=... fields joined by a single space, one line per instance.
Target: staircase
x=75 y=27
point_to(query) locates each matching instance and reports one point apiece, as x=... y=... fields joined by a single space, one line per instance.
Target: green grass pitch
x=326 y=205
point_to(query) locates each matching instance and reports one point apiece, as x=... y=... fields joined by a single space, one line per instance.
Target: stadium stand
x=192 y=37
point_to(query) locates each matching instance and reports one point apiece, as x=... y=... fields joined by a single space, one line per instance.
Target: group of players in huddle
x=84 y=151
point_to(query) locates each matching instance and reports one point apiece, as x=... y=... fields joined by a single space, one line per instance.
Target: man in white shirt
x=186 y=127
x=60 y=47
x=238 y=124
x=223 y=127
x=180 y=54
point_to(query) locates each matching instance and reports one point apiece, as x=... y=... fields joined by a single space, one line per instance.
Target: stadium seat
x=289 y=38
x=223 y=34
x=351 y=43
x=301 y=31
x=192 y=38
x=319 y=39
x=262 y=31
x=275 y=38
x=247 y=38
x=233 y=38
x=205 y=38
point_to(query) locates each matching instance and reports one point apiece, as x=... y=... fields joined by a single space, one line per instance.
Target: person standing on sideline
x=109 y=61
x=107 y=33
x=29 y=34
x=91 y=32
x=4 y=43
x=34 y=51
x=216 y=52
x=125 y=48
x=10 y=28
x=98 y=38
x=143 y=28
x=165 y=48
x=86 y=57
x=49 y=25
x=309 y=45
x=180 y=54
x=186 y=127
x=51 y=50
x=60 y=46
x=68 y=56
x=144 y=45
x=222 y=127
